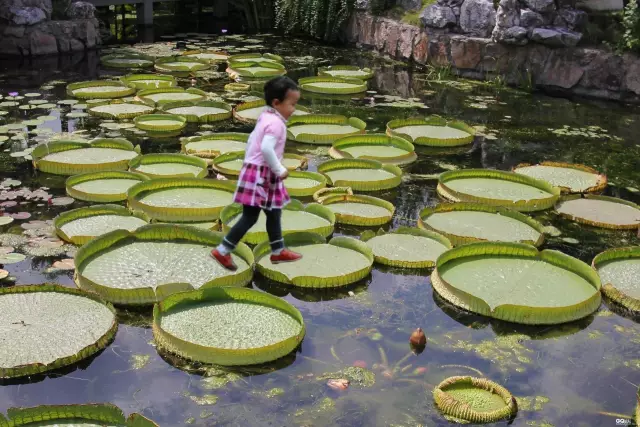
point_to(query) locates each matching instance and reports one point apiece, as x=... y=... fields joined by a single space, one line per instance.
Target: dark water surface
x=567 y=375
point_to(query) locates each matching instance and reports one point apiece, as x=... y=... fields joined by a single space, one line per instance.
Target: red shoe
x=224 y=260
x=285 y=256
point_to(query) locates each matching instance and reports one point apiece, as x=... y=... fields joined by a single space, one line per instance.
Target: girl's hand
x=284 y=175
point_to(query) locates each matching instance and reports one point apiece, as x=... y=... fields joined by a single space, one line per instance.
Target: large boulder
x=544 y=6
x=9 y=7
x=515 y=35
x=362 y=5
x=530 y=19
x=574 y=19
x=28 y=16
x=41 y=43
x=477 y=17
x=437 y=16
x=559 y=37
x=410 y=4
x=450 y=3
x=81 y=10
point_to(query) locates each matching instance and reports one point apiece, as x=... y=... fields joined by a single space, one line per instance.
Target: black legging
x=249 y=217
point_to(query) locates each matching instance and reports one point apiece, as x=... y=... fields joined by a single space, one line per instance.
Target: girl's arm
x=267 y=147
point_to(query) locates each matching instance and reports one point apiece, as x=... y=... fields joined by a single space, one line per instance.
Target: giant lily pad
x=160 y=122
x=211 y=146
x=165 y=165
x=346 y=71
x=154 y=261
x=296 y=217
x=255 y=69
x=150 y=81
x=100 y=89
x=516 y=283
x=332 y=85
x=249 y=112
x=120 y=110
x=360 y=174
x=181 y=199
x=74 y=157
x=78 y=226
x=497 y=188
x=470 y=222
x=181 y=65
x=227 y=326
x=474 y=400
x=255 y=57
x=171 y=94
x=360 y=210
x=350 y=261
x=199 y=111
x=380 y=147
x=406 y=247
x=619 y=271
x=213 y=56
x=103 y=187
x=50 y=326
x=231 y=163
x=600 y=211
x=304 y=184
x=127 y=60
x=433 y=131
x=86 y=415
x=571 y=178
x=322 y=129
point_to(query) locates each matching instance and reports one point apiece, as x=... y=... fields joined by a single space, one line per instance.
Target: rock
x=362 y=5
x=631 y=80
x=605 y=71
x=9 y=7
x=508 y=14
x=421 y=48
x=14 y=31
x=515 y=36
x=391 y=42
x=544 y=6
x=574 y=19
x=410 y=4
x=555 y=37
x=436 y=16
x=565 y=67
x=405 y=43
x=381 y=34
x=530 y=19
x=478 y=17
x=41 y=43
x=28 y=16
x=12 y=46
x=438 y=53
x=81 y=10
x=466 y=52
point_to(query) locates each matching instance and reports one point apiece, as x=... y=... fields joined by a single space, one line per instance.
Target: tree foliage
x=631 y=26
x=319 y=19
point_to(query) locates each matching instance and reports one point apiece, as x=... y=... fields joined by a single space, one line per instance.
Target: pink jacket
x=272 y=123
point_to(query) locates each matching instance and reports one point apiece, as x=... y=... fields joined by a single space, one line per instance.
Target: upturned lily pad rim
x=123 y=89
x=357 y=85
x=135 y=78
x=162 y=65
x=122 y=115
x=99 y=344
x=326 y=192
x=598 y=188
x=462 y=411
x=306 y=192
x=144 y=94
x=155 y=158
x=169 y=214
x=195 y=52
x=155 y=232
x=257 y=56
x=222 y=356
x=254 y=238
x=237 y=110
x=596 y=223
x=180 y=122
x=305 y=238
x=244 y=69
x=608 y=289
x=216 y=163
x=108 y=60
x=477 y=207
x=520 y=205
x=374 y=139
x=91 y=176
x=87 y=212
x=410 y=231
x=207 y=118
x=92 y=412
x=350 y=219
x=374 y=185
x=323 y=139
x=324 y=71
x=512 y=312
x=40 y=153
x=233 y=136
x=432 y=121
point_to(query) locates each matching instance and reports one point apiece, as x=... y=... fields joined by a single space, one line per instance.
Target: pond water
x=580 y=374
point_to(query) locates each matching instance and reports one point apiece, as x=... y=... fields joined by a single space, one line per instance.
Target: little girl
x=260 y=185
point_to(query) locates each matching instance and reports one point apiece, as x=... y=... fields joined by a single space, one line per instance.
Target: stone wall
x=570 y=70
x=26 y=28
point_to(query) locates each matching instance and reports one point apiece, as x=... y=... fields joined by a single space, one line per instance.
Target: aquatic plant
x=150 y=81
x=570 y=178
x=199 y=111
x=85 y=414
x=159 y=123
x=120 y=110
x=619 y=271
x=304 y=183
x=248 y=112
x=361 y=174
x=380 y=147
x=600 y=211
x=100 y=89
x=257 y=69
x=346 y=71
x=165 y=165
x=180 y=65
x=329 y=85
x=316 y=18
x=165 y=95
x=127 y=60
x=213 y=145
x=357 y=209
x=322 y=129
x=227 y=326
x=102 y=187
x=433 y=131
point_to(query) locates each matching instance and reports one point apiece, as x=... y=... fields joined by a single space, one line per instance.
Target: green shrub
x=631 y=25
x=319 y=19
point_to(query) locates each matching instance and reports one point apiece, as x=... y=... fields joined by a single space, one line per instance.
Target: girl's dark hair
x=277 y=88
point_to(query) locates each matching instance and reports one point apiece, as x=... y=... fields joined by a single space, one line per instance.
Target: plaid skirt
x=258 y=186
